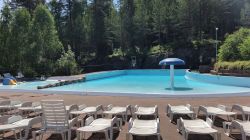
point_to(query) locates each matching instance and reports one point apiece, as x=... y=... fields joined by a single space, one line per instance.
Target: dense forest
x=63 y=37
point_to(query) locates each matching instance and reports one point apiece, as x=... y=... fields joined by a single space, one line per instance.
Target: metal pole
x=172 y=76
x=216 y=43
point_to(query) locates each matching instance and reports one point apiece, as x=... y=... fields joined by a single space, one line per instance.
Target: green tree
x=127 y=26
x=66 y=64
x=19 y=40
x=230 y=49
x=5 y=21
x=29 y=4
x=100 y=13
x=45 y=45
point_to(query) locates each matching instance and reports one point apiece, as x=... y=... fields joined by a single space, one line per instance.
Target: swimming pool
x=149 y=82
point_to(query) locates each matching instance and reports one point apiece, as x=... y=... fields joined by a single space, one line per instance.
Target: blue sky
x=1 y=4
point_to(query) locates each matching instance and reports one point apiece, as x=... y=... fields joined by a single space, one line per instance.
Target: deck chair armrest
x=209 y=122
x=168 y=109
x=180 y=126
x=130 y=123
x=73 y=122
x=156 y=110
x=89 y=120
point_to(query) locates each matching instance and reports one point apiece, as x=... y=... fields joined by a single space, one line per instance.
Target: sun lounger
x=8 y=105
x=117 y=110
x=200 y=127
x=143 y=128
x=15 y=123
x=212 y=112
x=99 y=125
x=145 y=111
x=180 y=110
x=34 y=108
x=88 y=110
x=243 y=126
x=244 y=110
x=55 y=119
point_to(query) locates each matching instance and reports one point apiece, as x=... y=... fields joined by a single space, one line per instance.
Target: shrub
x=230 y=49
x=29 y=72
x=67 y=65
x=237 y=65
x=245 y=49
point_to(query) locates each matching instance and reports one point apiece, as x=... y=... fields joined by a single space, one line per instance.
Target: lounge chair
x=145 y=111
x=244 y=110
x=180 y=110
x=15 y=123
x=198 y=126
x=212 y=112
x=8 y=105
x=35 y=107
x=55 y=119
x=143 y=128
x=244 y=128
x=117 y=110
x=88 y=110
x=99 y=125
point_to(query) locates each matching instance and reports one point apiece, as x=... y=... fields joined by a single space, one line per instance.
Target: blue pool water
x=141 y=82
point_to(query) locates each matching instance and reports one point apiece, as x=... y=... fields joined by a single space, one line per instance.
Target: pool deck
x=167 y=129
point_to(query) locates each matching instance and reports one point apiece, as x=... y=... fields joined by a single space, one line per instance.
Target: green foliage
x=66 y=64
x=237 y=65
x=19 y=38
x=45 y=45
x=98 y=30
x=244 y=49
x=6 y=18
x=234 y=48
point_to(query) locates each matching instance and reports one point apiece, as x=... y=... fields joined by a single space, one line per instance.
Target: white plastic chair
x=99 y=125
x=55 y=119
x=200 y=127
x=243 y=126
x=15 y=123
x=180 y=110
x=143 y=128
x=117 y=110
x=145 y=111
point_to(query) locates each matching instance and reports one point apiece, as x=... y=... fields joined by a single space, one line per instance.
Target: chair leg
x=69 y=134
x=63 y=136
x=158 y=136
x=111 y=133
x=106 y=135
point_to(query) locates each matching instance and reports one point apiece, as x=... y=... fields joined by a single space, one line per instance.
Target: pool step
x=62 y=83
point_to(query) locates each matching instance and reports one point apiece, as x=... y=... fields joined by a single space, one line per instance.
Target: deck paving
x=167 y=129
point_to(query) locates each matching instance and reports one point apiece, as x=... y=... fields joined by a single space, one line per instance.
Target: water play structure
x=172 y=62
